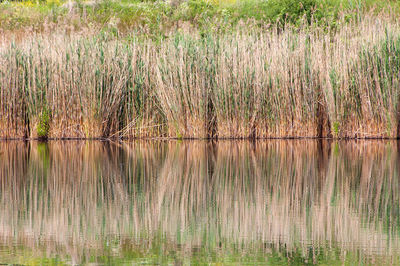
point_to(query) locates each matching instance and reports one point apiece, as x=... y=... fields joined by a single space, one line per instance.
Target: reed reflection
x=185 y=201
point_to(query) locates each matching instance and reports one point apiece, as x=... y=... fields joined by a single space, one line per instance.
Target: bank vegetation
x=299 y=79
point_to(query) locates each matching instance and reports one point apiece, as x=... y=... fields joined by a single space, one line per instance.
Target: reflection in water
x=180 y=202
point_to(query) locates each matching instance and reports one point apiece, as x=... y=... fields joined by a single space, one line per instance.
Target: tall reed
x=305 y=82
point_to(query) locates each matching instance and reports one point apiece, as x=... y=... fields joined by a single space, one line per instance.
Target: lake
x=197 y=202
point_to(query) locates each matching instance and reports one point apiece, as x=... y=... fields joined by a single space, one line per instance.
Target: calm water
x=275 y=202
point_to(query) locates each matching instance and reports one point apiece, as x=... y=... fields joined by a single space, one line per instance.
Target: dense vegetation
x=160 y=18
x=198 y=69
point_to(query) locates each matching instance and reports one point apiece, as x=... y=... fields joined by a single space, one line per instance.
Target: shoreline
x=199 y=139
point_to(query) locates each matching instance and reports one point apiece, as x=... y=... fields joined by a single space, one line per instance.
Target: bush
x=291 y=11
x=43 y=124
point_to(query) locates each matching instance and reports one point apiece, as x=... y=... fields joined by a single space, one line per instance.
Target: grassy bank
x=276 y=83
x=159 y=19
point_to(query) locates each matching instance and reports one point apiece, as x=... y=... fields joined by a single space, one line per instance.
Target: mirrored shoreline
x=277 y=201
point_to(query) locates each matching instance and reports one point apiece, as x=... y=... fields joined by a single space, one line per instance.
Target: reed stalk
x=303 y=82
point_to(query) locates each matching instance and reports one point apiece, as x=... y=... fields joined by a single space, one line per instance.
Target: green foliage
x=335 y=128
x=200 y=7
x=43 y=126
x=291 y=11
x=158 y=17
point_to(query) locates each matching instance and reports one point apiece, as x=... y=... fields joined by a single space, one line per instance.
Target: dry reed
x=305 y=82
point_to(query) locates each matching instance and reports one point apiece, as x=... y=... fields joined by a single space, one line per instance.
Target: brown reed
x=304 y=82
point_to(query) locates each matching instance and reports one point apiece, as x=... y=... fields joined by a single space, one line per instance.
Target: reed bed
x=184 y=201
x=303 y=82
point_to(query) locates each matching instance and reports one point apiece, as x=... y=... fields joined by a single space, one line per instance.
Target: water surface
x=269 y=202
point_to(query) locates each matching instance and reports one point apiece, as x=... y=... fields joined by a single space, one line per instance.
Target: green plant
x=335 y=128
x=291 y=11
x=43 y=125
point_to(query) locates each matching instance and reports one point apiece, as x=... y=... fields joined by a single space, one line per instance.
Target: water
x=276 y=202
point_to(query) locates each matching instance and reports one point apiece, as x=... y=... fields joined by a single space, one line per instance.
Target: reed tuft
x=306 y=82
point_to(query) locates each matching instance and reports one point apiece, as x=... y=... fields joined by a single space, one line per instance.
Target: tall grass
x=305 y=82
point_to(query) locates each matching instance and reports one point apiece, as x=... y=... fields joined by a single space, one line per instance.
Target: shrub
x=43 y=126
x=291 y=11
